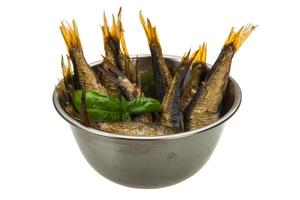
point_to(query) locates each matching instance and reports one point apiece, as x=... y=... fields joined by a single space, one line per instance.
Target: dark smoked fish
x=127 y=89
x=171 y=106
x=136 y=128
x=205 y=105
x=198 y=71
x=116 y=53
x=83 y=73
x=187 y=104
x=111 y=38
x=65 y=87
x=161 y=72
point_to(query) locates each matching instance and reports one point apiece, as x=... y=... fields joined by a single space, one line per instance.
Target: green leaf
x=105 y=115
x=95 y=100
x=101 y=107
x=142 y=105
x=126 y=117
x=110 y=108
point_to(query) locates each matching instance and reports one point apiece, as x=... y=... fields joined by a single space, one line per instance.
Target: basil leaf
x=142 y=105
x=110 y=108
x=124 y=103
x=105 y=115
x=101 y=107
x=95 y=100
x=126 y=117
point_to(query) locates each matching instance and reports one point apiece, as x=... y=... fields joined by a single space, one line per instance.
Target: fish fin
x=237 y=38
x=112 y=68
x=186 y=61
x=201 y=54
x=120 y=14
x=123 y=44
x=185 y=57
x=155 y=35
x=144 y=24
x=105 y=27
x=188 y=58
x=67 y=71
x=150 y=30
x=114 y=30
x=71 y=35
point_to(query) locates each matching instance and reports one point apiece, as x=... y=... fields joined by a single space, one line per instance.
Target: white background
x=258 y=154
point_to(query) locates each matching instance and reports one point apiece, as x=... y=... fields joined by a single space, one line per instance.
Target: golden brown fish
x=124 y=57
x=111 y=38
x=197 y=74
x=64 y=100
x=161 y=72
x=111 y=87
x=205 y=105
x=65 y=87
x=127 y=89
x=114 y=43
x=136 y=128
x=116 y=52
x=84 y=75
x=171 y=106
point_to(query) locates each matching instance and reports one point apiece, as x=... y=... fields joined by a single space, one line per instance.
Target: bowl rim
x=235 y=106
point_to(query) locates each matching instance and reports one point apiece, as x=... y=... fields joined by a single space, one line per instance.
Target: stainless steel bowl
x=151 y=162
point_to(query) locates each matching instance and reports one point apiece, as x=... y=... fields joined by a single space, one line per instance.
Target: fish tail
x=71 y=35
x=124 y=51
x=123 y=44
x=237 y=38
x=188 y=58
x=150 y=30
x=105 y=28
x=200 y=54
x=115 y=29
x=67 y=71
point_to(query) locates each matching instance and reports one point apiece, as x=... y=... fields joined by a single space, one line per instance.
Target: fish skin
x=111 y=38
x=171 y=105
x=161 y=72
x=116 y=52
x=86 y=76
x=205 y=105
x=136 y=128
x=83 y=74
x=161 y=85
x=197 y=74
x=114 y=44
x=65 y=87
x=64 y=99
x=129 y=90
x=111 y=87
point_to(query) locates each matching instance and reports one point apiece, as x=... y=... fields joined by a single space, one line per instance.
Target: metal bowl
x=151 y=162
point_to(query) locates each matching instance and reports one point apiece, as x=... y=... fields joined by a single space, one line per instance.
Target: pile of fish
x=186 y=104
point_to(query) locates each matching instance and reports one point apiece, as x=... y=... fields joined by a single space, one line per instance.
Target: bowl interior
x=230 y=104
x=148 y=84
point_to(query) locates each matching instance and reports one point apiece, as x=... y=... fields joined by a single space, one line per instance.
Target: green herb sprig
x=111 y=108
